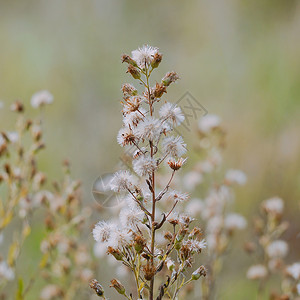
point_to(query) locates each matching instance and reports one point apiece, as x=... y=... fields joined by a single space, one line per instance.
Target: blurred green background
x=239 y=59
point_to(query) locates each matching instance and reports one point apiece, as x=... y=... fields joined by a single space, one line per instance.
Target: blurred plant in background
x=66 y=263
x=270 y=251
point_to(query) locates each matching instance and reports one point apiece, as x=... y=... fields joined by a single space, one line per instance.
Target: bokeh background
x=239 y=59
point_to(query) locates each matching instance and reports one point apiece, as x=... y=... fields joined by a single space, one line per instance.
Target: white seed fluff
x=171 y=112
x=174 y=146
x=278 y=249
x=257 y=272
x=41 y=98
x=143 y=56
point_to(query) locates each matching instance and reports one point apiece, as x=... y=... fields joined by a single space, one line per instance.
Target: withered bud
x=195 y=233
x=97 y=287
x=169 y=78
x=7 y=169
x=17 y=106
x=36 y=132
x=134 y=72
x=149 y=271
x=115 y=253
x=156 y=60
x=160 y=89
x=139 y=243
x=181 y=234
x=118 y=286
x=249 y=247
x=49 y=223
x=126 y=58
x=173 y=221
x=201 y=271
x=168 y=236
x=129 y=90
x=146 y=256
x=176 y=165
x=28 y=124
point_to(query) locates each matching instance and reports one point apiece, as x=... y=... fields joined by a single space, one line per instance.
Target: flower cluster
x=132 y=239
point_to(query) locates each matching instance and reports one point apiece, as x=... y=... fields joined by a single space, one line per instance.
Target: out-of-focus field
x=239 y=59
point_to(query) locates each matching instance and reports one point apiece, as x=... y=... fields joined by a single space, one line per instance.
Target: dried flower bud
x=139 y=243
x=169 y=78
x=115 y=253
x=17 y=107
x=126 y=58
x=176 y=164
x=149 y=271
x=196 y=232
x=160 y=89
x=156 y=60
x=201 y=271
x=129 y=90
x=168 y=236
x=97 y=287
x=134 y=72
x=118 y=286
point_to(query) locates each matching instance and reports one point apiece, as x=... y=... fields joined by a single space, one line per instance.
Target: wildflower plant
x=148 y=127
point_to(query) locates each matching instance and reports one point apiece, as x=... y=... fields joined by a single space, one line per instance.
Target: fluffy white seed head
x=177 y=196
x=144 y=165
x=130 y=217
x=208 y=123
x=143 y=55
x=277 y=249
x=274 y=206
x=294 y=270
x=122 y=180
x=171 y=113
x=235 y=177
x=149 y=129
x=41 y=98
x=235 y=221
x=6 y=271
x=257 y=272
x=132 y=119
x=102 y=231
x=174 y=146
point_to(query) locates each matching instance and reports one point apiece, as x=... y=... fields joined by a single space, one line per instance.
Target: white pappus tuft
x=174 y=146
x=143 y=56
x=144 y=165
x=171 y=112
x=122 y=180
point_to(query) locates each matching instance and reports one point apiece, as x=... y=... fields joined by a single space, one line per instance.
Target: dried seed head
x=97 y=287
